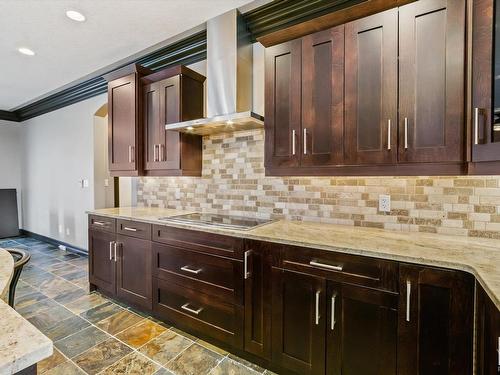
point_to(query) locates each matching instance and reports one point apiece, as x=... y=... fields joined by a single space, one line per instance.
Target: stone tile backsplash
x=234 y=182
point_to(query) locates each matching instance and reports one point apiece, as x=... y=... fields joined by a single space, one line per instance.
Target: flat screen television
x=9 y=223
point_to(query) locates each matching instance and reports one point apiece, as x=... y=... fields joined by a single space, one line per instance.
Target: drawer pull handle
x=315 y=263
x=187 y=269
x=316 y=315
x=130 y=229
x=408 y=299
x=100 y=223
x=332 y=324
x=111 y=244
x=193 y=311
x=245 y=271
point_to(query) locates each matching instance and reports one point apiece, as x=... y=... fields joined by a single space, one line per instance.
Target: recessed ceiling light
x=75 y=16
x=26 y=51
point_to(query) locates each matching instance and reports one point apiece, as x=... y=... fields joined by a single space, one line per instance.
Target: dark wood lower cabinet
x=487 y=334
x=436 y=312
x=101 y=261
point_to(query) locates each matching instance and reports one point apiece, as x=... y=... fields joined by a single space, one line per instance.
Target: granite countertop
x=21 y=344
x=480 y=257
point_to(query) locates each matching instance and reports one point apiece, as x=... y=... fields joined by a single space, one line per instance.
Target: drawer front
x=199 y=312
x=354 y=269
x=210 y=274
x=106 y=224
x=133 y=229
x=199 y=241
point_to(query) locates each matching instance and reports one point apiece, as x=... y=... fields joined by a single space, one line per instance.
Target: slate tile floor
x=94 y=335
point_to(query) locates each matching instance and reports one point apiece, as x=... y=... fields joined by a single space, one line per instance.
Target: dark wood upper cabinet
x=485 y=135
x=283 y=105
x=322 y=123
x=124 y=121
x=371 y=102
x=431 y=81
x=169 y=96
x=436 y=310
x=487 y=334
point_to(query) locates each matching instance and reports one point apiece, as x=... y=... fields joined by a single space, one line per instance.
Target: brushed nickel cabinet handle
x=154 y=152
x=498 y=352
x=116 y=243
x=293 y=142
x=190 y=270
x=305 y=141
x=406 y=133
x=389 y=134
x=131 y=159
x=315 y=263
x=317 y=307
x=100 y=223
x=408 y=299
x=476 y=126
x=193 y=311
x=111 y=250
x=162 y=153
x=245 y=265
x=332 y=325
x=130 y=229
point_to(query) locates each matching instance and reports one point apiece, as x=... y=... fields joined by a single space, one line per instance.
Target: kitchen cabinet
x=487 y=334
x=431 y=81
x=101 y=262
x=371 y=86
x=436 y=312
x=124 y=121
x=485 y=137
x=172 y=95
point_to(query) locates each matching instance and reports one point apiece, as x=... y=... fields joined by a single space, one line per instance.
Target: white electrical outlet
x=61 y=229
x=384 y=203
x=67 y=232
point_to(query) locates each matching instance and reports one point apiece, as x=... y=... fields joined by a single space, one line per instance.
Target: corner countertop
x=480 y=257
x=21 y=344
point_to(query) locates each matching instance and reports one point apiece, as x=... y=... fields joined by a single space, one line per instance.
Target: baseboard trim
x=52 y=241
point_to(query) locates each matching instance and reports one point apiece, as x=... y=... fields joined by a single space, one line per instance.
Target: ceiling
x=67 y=50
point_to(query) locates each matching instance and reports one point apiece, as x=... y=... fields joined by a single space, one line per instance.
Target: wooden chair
x=21 y=257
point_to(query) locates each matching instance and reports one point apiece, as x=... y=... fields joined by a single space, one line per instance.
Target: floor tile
x=54 y=287
x=54 y=360
x=194 y=360
x=81 y=341
x=163 y=371
x=71 y=295
x=101 y=312
x=134 y=363
x=185 y=334
x=212 y=347
x=230 y=367
x=66 y=368
x=66 y=327
x=79 y=262
x=78 y=274
x=138 y=335
x=48 y=318
x=119 y=322
x=63 y=268
x=29 y=299
x=101 y=356
x=165 y=347
x=85 y=303
x=35 y=279
x=248 y=364
x=31 y=310
x=22 y=289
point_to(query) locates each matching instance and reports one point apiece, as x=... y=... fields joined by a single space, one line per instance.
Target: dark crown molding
x=268 y=18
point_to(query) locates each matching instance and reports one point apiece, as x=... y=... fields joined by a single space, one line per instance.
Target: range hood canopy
x=229 y=80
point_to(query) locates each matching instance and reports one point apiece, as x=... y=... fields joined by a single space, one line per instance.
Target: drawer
x=210 y=274
x=199 y=241
x=354 y=269
x=133 y=229
x=106 y=224
x=199 y=312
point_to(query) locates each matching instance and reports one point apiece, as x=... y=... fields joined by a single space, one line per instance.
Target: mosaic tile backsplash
x=234 y=182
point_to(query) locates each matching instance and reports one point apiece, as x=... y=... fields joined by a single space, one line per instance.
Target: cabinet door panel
x=134 y=265
x=101 y=260
x=487 y=334
x=169 y=141
x=322 y=98
x=298 y=322
x=283 y=100
x=435 y=322
x=371 y=89
x=122 y=124
x=151 y=119
x=431 y=81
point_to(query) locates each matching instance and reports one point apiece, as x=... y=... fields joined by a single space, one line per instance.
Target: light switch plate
x=384 y=203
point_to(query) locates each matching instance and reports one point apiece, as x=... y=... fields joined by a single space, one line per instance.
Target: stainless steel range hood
x=229 y=80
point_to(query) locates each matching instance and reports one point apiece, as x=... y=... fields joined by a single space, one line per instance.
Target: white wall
x=10 y=159
x=58 y=154
x=104 y=189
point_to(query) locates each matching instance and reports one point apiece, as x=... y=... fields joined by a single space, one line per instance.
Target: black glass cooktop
x=226 y=221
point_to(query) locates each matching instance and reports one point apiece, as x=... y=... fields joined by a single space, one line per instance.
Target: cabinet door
x=170 y=109
x=322 y=98
x=123 y=124
x=431 y=81
x=435 y=322
x=134 y=264
x=101 y=260
x=298 y=322
x=151 y=121
x=257 y=299
x=362 y=326
x=488 y=334
x=485 y=81
x=371 y=55
x=282 y=104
